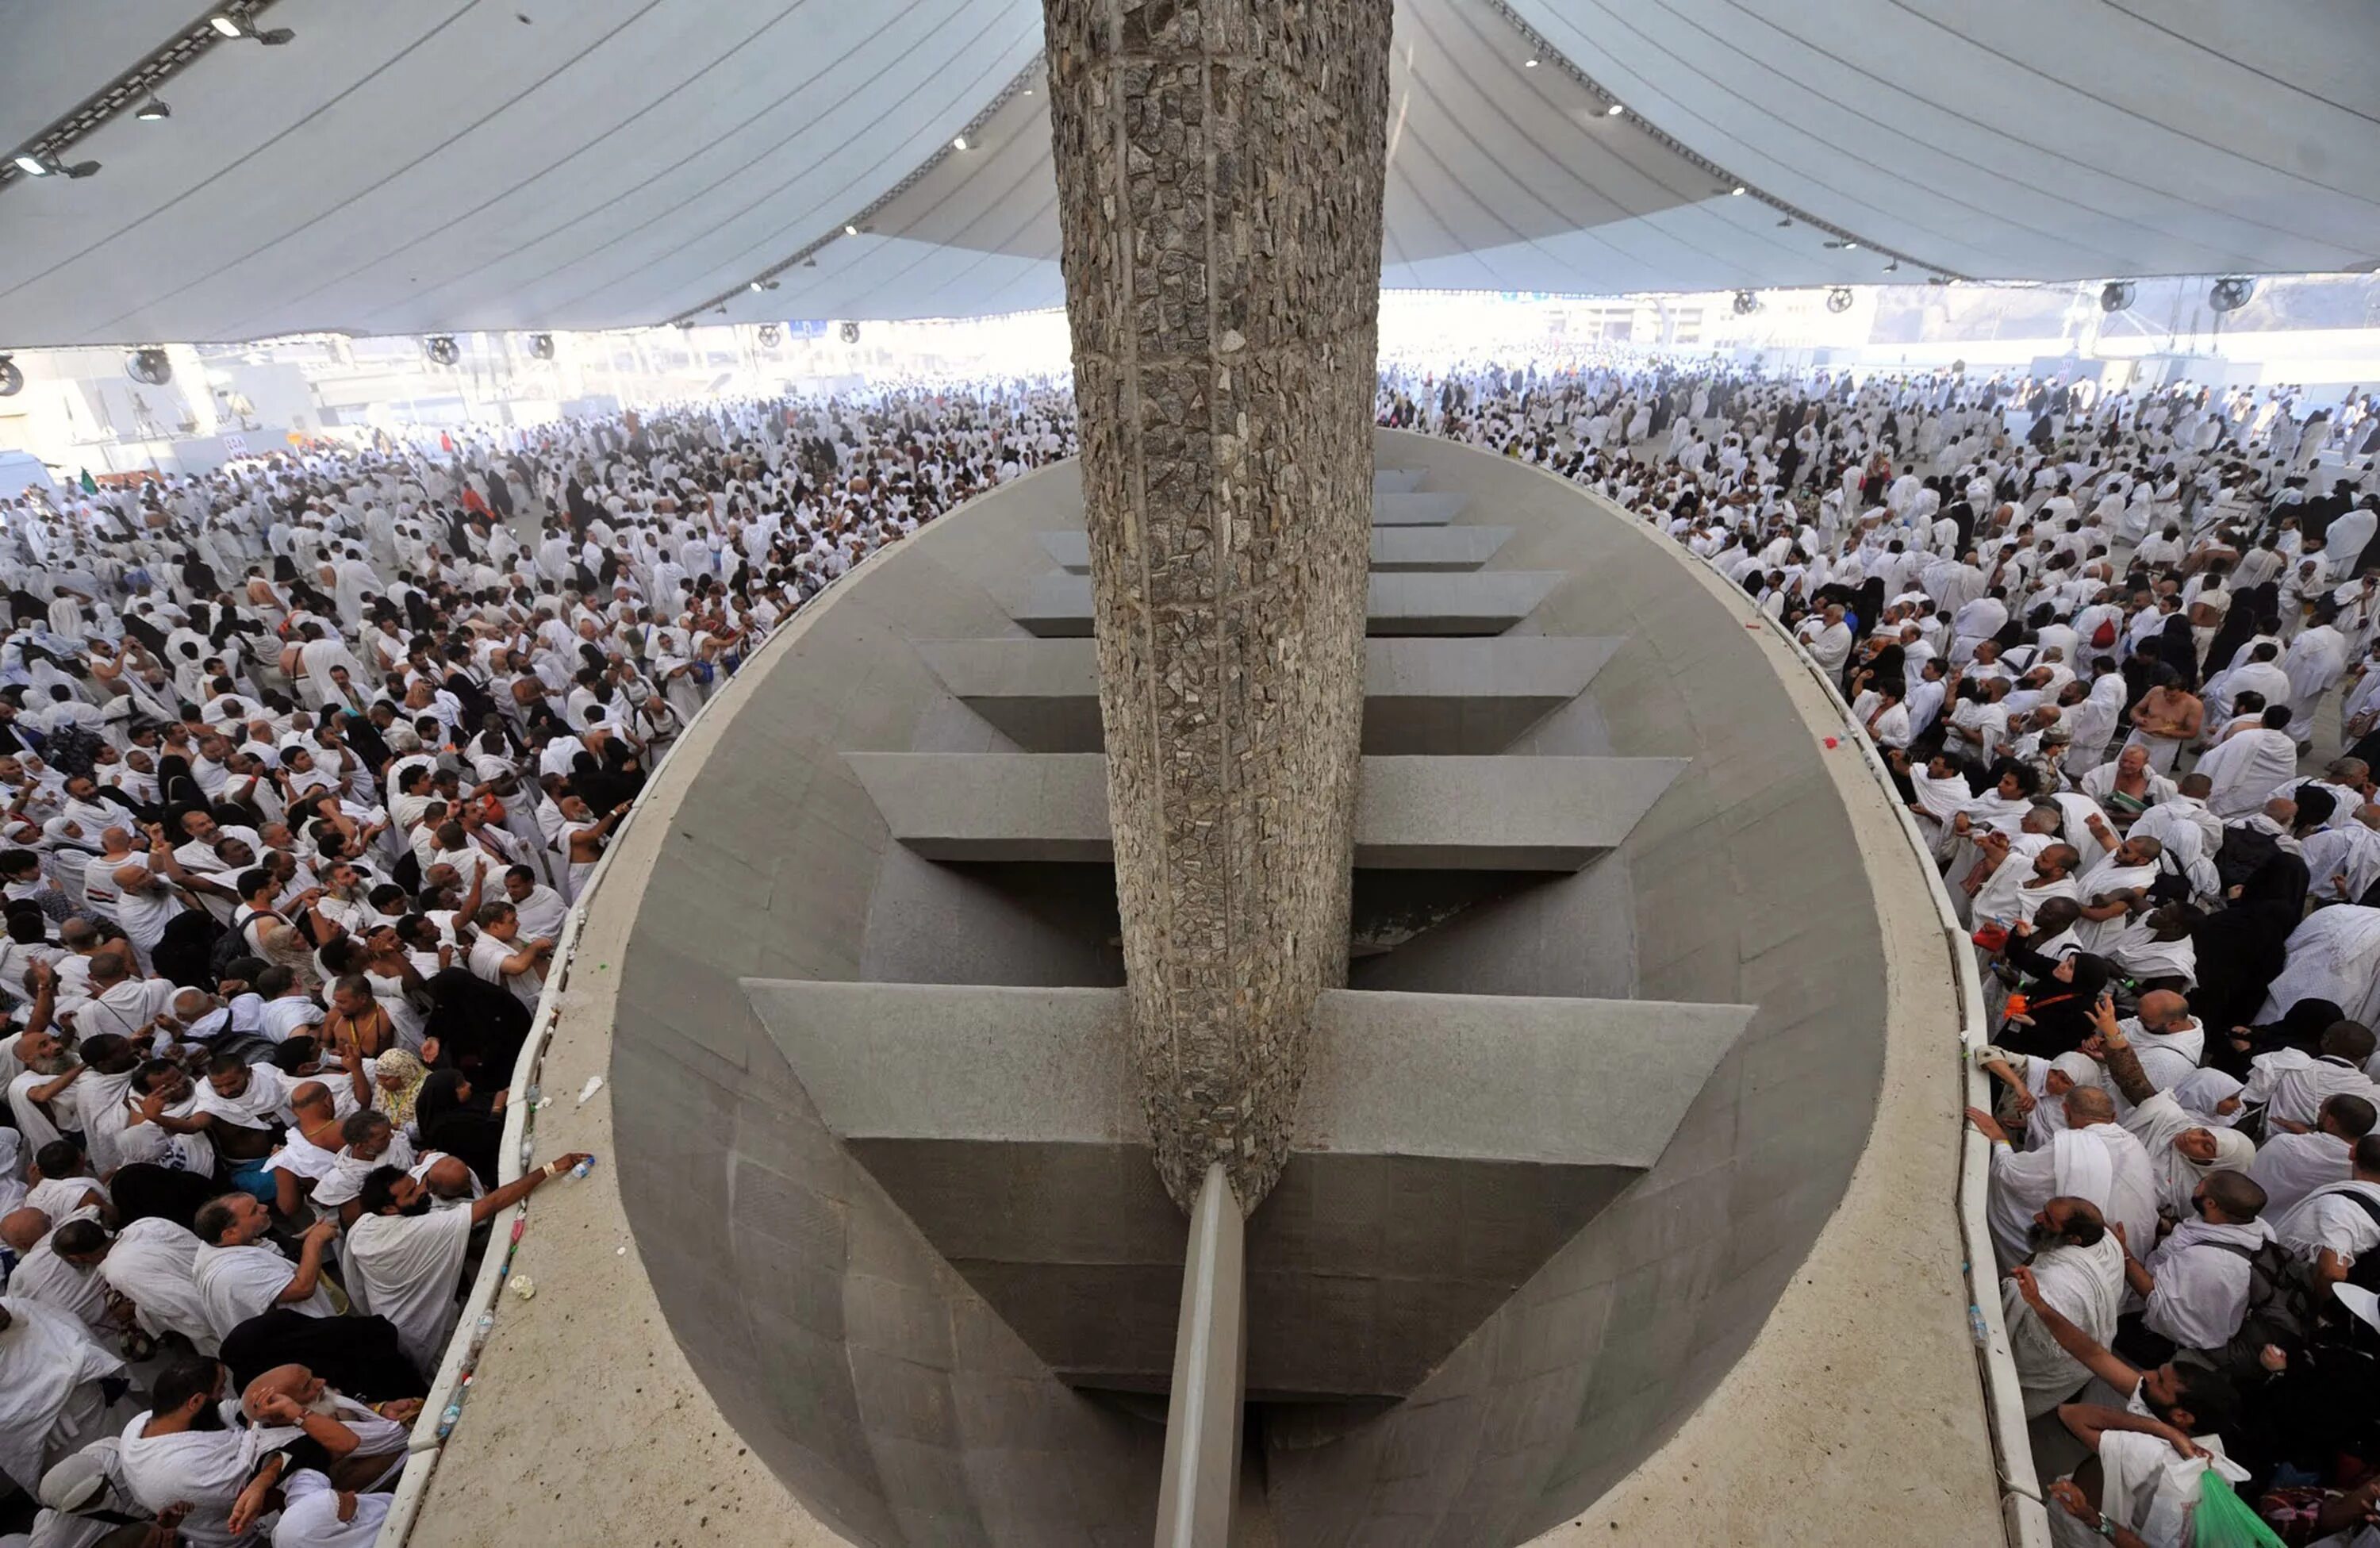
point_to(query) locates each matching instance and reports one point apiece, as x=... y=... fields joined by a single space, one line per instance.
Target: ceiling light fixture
x=38 y=164
x=1614 y=111
x=1738 y=191
x=152 y=110
x=1528 y=64
x=958 y=143
x=850 y=230
x=241 y=27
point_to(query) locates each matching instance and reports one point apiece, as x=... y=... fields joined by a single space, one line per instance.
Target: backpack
x=2281 y=1310
x=2105 y=635
x=2245 y=851
x=186 y=952
x=72 y=749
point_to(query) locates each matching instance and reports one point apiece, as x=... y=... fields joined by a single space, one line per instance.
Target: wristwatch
x=2106 y=1527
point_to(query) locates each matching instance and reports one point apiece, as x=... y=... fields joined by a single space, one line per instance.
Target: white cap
x=2361 y=1301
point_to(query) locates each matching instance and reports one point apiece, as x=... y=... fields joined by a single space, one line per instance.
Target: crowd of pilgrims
x=303 y=764
x=2119 y=650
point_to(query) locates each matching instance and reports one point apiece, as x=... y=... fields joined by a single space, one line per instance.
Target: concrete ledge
x=915 y=1061
x=1423 y=813
x=1416 y=509
x=1484 y=602
x=1420 y=548
x=1480 y=602
x=1421 y=693
x=1395 y=480
x=1504 y=1078
x=1435 y=548
x=1507 y=1077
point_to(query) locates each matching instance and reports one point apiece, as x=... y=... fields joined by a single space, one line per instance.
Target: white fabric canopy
x=448 y=165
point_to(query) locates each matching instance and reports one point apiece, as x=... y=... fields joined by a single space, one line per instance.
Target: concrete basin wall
x=882 y=1390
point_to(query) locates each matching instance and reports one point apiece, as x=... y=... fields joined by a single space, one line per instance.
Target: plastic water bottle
x=446 y=1420
x=583 y=1168
x=1975 y=1325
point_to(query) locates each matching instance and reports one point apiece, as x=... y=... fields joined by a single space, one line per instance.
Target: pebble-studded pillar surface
x=1220 y=165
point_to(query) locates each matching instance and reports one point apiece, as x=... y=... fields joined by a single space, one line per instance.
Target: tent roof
x=451 y=164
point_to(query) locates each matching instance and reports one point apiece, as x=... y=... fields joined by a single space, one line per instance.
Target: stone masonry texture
x=1219 y=167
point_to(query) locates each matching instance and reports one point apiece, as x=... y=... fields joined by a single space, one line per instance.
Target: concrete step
x=1411 y=813
x=1416 y=509
x=1396 y=481
x=1542 y=1079
x=1006 y=1124
x=1393 y=548
x=1421 y=695
x=1479 y=601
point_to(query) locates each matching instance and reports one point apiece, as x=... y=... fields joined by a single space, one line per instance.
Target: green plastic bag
x=2225 y=1520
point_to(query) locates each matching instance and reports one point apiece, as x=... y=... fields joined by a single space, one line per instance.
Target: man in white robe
x=2334 y=955
x=149 y=1265
x=45 y=1273
x=2314 y=662
x=2290 y=1165
x=181 y=1451
x=2337 y=1223
x=2078 y=1268
x=405 y=1255
x=2145 y=1487
x=1829 y=641
x=2247 y=767
x=2193 y=1285
x=2107 y=891
x=53 y=1400
x=2092 y=1158
x=241 y=1273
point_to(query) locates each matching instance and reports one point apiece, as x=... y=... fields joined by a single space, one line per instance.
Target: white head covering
x=2202 y=1091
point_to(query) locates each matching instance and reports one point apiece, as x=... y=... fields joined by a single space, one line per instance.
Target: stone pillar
x=1220 y=164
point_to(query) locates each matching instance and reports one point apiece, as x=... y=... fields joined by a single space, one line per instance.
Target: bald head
x=447 y=1178
x=2235 y=1194
x=23 y=1229
x=2086 y=1105
x=2161 y=1008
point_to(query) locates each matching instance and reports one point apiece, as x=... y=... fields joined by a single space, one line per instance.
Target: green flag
x=90 y=484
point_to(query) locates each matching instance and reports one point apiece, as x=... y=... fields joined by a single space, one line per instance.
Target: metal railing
x=2023 y=1513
